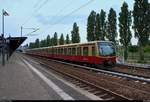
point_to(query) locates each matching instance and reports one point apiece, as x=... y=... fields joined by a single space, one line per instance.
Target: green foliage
x=26 y=46
x=141 y=15
x=124 y=24
x=32 y=45
x=102 y=25
x=52 y=40
x=141 y=24
x=43 y=43
x=61 y=40
x=91 y=26
x=112 y=25
x=147 y=49
x=55 y=39
x=67 y=39
x=133 y=49
x=48 y=40
x=98 y=27
x=75 y=34
x=37 y=43
x=142 y=61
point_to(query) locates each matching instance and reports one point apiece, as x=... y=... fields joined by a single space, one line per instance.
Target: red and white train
x=95 y=53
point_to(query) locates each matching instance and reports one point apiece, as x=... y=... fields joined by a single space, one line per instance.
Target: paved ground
x=19 y=82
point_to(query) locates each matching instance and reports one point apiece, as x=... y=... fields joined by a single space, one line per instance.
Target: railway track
x=135 y=70
x=141 y=66
x=142 y=75
x=101 y=92
x=135 y=77
x=130 y=89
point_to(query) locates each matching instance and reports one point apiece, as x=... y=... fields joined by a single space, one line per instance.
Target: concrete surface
x=19 y=82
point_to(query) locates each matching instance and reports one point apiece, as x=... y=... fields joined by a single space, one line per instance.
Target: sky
x=53 y=16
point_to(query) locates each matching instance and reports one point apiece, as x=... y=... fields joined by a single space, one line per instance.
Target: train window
x=59 y=51
x=85 y=51
x=73 y=51
x=79 y=51
x=62 y=51
x=56 y=51
x=65 y=51
x=52 y=51
x=93 y=51
x=106 y=49
x=49 y=51
x=69 y=51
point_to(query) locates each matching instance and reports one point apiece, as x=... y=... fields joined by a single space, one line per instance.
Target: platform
x=22 y=79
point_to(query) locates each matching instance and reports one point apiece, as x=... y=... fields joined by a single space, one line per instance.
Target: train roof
x=74 y=44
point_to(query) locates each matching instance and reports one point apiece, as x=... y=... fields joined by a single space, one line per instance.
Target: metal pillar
x=21 y=30
x=3 y=42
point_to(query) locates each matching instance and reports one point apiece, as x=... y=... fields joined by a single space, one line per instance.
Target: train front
x=107 y=53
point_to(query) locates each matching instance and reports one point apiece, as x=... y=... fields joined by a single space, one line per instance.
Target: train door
x=86 y=53
x=79 y=53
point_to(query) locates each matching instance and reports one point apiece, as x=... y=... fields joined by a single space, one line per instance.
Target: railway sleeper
x=78 y=84
x=97 y=92
x=111 y=98
x=75 y=82
x=106 y=97
x=82 y=86
x=87 y=88
x=102 y=95
x=92 y=90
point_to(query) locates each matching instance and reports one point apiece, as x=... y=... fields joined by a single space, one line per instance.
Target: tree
x=61 y=40
x=31 y=45
x=91 y=24
x=75 y=34
x=141 y=24
x=67 y=39
x=55 y=39
x=102 y=25
x=112 y=25
x=52 y=40
x=26 y=46
x=37 y=43
x=124 y=24
x=48 y=40
x=98 y=27
x=43 y=43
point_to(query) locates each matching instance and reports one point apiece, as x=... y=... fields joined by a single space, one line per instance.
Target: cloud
x=53 y=19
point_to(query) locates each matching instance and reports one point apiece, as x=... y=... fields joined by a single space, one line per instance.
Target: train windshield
x=106 y=48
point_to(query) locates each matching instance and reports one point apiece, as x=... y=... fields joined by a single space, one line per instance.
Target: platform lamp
x=4 y=13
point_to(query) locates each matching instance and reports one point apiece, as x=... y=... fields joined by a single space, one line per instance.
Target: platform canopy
x=14 y=43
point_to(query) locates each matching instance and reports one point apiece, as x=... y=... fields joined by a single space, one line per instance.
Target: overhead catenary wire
x=72 y=12
x=36 y=10
x=61 y=10
x=36 y=4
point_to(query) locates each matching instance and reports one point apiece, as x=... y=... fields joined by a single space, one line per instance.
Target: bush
x=143 y=61
x=133 y=48
x=147 y=49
